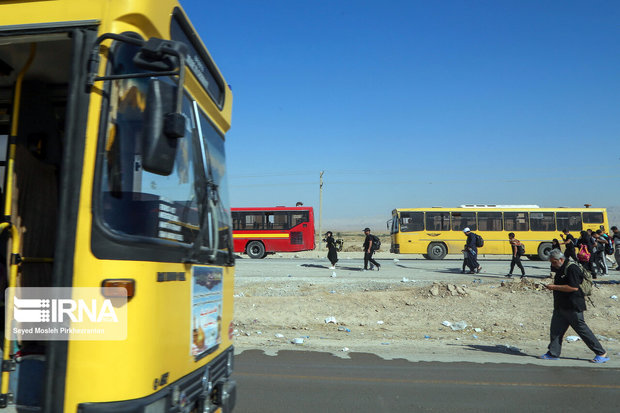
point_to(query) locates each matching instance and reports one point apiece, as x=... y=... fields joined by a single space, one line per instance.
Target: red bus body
x=261 y=231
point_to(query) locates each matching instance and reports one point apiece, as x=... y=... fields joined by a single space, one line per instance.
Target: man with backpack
x=471 y=246
x=568 y=306
x=371 y=244
x=615 y=237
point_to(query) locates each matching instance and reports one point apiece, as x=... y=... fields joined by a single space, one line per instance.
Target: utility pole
x=320 y=208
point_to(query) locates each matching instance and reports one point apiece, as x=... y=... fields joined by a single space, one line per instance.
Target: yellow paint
x=236 y=235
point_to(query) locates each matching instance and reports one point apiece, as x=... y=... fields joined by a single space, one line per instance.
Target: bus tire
x=437 y=250
x=544 y=250
x=426 y=256
x=255 y=249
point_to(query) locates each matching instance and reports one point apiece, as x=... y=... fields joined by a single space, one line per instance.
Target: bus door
x=42 y=127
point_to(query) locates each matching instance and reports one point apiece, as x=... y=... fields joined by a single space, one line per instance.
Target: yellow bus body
x=435 y=241
x=159 y=315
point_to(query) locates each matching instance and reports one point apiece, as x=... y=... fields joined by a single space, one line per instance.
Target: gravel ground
x=411 y=309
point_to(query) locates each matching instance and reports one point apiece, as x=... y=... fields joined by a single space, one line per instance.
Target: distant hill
x=613 y=214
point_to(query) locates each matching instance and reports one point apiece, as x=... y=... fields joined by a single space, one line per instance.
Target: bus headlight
x=175 y=396
x=156 y=407
x=207 y=384
x=229 y=363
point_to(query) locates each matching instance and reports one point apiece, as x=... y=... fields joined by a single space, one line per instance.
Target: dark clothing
x=616 y=240
x=588 y=241
x=570 y=247
x=472 y=252
x=368 y=255
x=332 y=251
x=368 y=258
x=569 y=274
x=568 y=311
x=516 y=256
x=471 y=242
x=560 y=320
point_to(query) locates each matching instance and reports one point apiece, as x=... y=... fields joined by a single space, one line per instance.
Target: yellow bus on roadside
x=113 y=118
x=435 y=232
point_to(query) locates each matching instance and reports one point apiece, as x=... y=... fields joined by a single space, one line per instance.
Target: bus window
x=593 y=217
x=462 y=220
x=277 y=220
x=490 y=221
x=516 y=221
x=299 y=217
x=253 y=220
x=238 y=220
x=438 y=221
x=411 y=221
x=568 y=220
x=542 y=221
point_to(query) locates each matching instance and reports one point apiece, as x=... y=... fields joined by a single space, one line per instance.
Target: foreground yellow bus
x=113 y=117
x=435 y=232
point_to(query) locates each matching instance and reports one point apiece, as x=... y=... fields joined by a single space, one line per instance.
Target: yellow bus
x=113 y=118
x=437 y=231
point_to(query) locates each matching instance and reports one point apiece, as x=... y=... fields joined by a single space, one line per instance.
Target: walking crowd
x=573 y=269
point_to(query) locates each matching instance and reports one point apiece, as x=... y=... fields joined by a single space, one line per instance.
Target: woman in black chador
x=332 y=254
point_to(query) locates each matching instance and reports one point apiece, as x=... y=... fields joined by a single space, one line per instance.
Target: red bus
x=261 y=231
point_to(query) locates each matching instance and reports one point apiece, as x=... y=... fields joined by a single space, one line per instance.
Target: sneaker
x=478 y=269
x=378 y=267
x=332 y=268
x=509 y=275
x=548 y=356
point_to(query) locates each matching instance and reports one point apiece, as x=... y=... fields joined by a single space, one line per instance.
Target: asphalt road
x=319 y=382
x=412 y=268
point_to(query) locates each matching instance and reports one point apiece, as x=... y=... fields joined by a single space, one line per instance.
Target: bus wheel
x=544 y=250
x=436 y=250
x=256 y=249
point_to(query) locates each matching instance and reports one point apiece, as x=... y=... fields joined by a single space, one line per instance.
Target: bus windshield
x=138 y=203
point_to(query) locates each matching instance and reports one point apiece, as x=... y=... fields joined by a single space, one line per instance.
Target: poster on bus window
x=206 y=309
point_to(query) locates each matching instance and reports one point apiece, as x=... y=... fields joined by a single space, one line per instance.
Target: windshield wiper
x=208 y=200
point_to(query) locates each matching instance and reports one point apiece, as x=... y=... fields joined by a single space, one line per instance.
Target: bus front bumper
x=190 y=394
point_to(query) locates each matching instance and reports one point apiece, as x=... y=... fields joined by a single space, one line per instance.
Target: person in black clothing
x=472 y=252
x=568 y=306
x=517 y=252
x=332 y=251
x=615 y=237
x=369 y=250
x=569 y=243
x=586 y=239
x=599 y=251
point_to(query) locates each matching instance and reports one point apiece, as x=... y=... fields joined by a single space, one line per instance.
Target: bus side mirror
x=162 y=127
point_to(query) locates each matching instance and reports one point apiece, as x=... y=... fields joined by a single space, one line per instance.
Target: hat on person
x=366 y=229
x=467 y=229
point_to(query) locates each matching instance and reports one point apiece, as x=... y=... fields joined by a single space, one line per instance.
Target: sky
x=417 y=103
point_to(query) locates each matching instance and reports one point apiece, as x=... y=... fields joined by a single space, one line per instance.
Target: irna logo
x=60 y=310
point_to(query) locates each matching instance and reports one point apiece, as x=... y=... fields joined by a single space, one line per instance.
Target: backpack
x=583 y=255
x=376 y=243
x=609 y=247
x=479 y=241
x=586 y=279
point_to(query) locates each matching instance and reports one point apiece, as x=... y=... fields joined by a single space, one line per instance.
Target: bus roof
x=503 y=208
x=276 y=208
